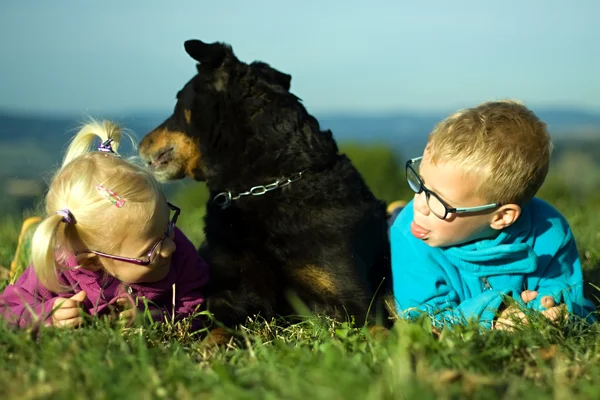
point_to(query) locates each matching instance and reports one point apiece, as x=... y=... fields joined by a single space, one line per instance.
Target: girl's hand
x=127 y=310
x=67 y=312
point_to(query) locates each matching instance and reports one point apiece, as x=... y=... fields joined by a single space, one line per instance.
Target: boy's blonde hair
x=98 y=223
x=502 y=143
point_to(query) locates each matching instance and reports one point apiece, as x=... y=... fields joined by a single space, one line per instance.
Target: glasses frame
x=148 y=260
x=428 y=193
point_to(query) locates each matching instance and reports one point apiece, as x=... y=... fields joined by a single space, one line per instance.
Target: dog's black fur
x=321 y=239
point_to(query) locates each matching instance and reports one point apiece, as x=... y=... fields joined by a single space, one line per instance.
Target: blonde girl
x=108 y=237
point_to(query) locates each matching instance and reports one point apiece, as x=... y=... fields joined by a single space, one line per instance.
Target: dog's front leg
x=233 y=295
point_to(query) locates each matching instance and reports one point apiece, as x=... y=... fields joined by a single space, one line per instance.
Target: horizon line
x=349 y=112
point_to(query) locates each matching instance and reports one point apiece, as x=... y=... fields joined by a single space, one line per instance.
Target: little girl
x=108 y=240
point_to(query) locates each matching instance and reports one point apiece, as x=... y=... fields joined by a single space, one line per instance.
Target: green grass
x=317 y=359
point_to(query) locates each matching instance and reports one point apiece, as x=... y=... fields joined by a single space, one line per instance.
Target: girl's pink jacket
x=28 y=302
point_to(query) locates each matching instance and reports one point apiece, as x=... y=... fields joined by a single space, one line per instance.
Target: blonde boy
x=474 y=234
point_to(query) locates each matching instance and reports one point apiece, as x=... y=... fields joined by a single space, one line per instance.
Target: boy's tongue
x=418 y=231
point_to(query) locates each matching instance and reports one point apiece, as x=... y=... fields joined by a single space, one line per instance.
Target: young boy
x=474 y=234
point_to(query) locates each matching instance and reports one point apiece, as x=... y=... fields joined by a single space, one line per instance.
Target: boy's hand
x=67 y=312
x=552 y=312
x=556 y=313
x=513 y=315
x=508 y=318
x=529 y=295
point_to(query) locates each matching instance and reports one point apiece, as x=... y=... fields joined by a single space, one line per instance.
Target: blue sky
x=79 y=56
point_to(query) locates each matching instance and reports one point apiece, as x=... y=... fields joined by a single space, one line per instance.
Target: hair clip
x=111 y=196
x=67 y=216
x=106 y=146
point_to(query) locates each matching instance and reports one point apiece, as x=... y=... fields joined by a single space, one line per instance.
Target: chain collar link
x=224 y=199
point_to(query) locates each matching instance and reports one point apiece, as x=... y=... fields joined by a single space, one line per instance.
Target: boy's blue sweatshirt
x=464 y=282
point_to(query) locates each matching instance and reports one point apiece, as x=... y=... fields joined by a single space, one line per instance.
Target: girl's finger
x=66 y=313
x=65 y=303
x=69 y=323
x=127 y=314
x=124 y=303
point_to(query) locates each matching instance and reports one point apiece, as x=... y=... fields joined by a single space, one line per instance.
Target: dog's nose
x=143 y=149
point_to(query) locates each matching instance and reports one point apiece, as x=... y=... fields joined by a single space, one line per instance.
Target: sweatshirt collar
x=507 y=253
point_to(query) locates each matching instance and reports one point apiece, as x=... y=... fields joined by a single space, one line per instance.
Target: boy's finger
x=528 y=295
x=504 y=325
x=521 y=317
x=554 y=313
x=509 y=321
x=548 y=302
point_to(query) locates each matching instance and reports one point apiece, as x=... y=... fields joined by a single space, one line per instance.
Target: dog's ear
x=211 y=54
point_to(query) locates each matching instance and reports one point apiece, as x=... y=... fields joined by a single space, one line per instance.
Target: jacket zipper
x=486 y=283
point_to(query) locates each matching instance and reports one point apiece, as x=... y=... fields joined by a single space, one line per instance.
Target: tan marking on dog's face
x=183 y=157
x=183 y=150
x=316 y=278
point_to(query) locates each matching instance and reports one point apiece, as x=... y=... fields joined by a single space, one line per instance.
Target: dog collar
x=224 y=199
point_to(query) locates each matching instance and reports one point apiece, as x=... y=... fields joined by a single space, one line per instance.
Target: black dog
x=288 y=216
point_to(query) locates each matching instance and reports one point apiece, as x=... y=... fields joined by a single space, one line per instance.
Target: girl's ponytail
x=43 y=252
x=88 y=135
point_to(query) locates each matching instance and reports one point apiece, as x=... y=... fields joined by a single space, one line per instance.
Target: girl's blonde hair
x=501 y=143
x=98 y=223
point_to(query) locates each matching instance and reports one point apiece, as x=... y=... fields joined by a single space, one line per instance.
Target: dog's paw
x=218 y=337
x=378 y=332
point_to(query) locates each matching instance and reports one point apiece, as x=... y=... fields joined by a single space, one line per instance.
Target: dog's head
x=233 y=119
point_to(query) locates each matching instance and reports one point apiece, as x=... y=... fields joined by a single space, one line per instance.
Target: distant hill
x=31 y=148
x=53 y=132
x=405 y=132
